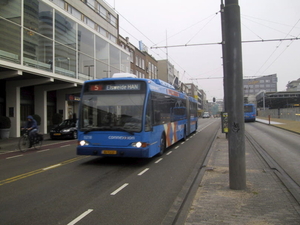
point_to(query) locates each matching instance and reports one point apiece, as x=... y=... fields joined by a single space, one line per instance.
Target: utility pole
x=235 y=96
x=223 y=55
x=224 y=59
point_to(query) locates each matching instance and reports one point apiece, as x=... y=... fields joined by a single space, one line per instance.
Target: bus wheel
x=162 y=145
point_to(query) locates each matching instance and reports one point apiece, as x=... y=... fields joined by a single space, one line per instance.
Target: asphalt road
x=283 y=146
x=55 y=186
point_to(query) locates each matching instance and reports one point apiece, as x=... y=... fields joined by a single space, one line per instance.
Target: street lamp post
x=89 y=70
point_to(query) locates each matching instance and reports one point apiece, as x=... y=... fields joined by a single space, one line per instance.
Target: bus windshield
x=248 y=108
x=112 y=110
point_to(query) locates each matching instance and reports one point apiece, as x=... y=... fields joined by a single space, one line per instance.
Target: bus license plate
x=109 y=152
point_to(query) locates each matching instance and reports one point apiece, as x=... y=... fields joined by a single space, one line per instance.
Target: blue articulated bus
x=249 y=112
x=125 y=116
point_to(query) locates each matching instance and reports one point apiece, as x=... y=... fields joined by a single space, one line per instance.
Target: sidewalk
x=265 y=201
x=290 y=125
x=11 y=144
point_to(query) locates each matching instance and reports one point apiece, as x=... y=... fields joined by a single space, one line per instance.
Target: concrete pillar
x=62 y=103
x=40 y=107
x=13 y=102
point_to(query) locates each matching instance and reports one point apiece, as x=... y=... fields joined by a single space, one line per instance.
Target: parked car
x=206 y=115
x=67 y=129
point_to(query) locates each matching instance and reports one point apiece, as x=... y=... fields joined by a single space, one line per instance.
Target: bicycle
x=24 y=141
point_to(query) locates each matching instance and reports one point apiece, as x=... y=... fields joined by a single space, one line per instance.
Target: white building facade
x=48 y=48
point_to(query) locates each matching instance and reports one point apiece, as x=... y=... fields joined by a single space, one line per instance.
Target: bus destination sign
x=115 y=87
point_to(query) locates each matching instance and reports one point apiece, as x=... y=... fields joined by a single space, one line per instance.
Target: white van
x=206 y=115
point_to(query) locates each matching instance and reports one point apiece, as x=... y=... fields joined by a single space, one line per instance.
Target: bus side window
x=157 y=117
x=148 y=118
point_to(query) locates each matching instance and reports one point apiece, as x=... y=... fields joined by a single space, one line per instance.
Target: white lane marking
x=144 y=171
x=80 y=217
x=158 y=160
x=43 y=150
x=182 y=142
x=119 y=189
x=64 y=146
x=51 y=167
x=204 y=128
x=169 y=152
x=177 y=147
x=14 y=156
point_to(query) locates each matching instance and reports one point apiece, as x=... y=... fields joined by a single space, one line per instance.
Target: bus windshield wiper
x=94 y=129
x=104 y=128
x=122 y=129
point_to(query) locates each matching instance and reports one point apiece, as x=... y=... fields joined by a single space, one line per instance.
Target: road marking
x=158 y=160
x=51 y=167
x=119 y=189
x=14 y=156
x=144 y=171
x=31 y=173
x=182 y=142
x=64 y=146
x=80 y=217
x=43 y=150
x=177 y=147
x=169 y=152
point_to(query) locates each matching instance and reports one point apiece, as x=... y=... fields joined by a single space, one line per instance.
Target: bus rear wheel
x=162 y=145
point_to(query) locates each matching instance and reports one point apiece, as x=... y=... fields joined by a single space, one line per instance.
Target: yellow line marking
x=31 y=173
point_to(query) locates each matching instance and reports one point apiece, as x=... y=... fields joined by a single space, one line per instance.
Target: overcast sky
x=188 y=22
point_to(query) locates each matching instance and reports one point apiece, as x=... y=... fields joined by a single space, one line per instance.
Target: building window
x=74 y=12
x=102 y=11
x=112 y=20
x=112 y=38
x=131 y=56
x=143 y=64
x=90 y=23
x=91 y=3
x=59 y=3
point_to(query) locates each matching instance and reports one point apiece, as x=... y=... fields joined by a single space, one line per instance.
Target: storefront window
x=65 y=30
x=11 y=10
x=85 y=41
x=86 y=67
x=10 y=38
x=65 y=60
x=114 y=54
x=10 y=41
x=38 y=52
x=102 y=70
x=38 y=18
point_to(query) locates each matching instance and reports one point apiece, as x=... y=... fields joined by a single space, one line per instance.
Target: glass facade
x=53 y=41
x=10 y=38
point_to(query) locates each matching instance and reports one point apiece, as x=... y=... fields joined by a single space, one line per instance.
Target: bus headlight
x=139 y=144
x=83 y=143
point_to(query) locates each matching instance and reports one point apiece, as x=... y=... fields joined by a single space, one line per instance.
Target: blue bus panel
x=132 y=117
x=249 y=112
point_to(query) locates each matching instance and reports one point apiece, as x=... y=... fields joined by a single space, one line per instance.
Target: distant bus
x=249 y=112
x=132 y=117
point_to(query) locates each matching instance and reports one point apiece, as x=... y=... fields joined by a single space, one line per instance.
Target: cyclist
x=31 y=126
